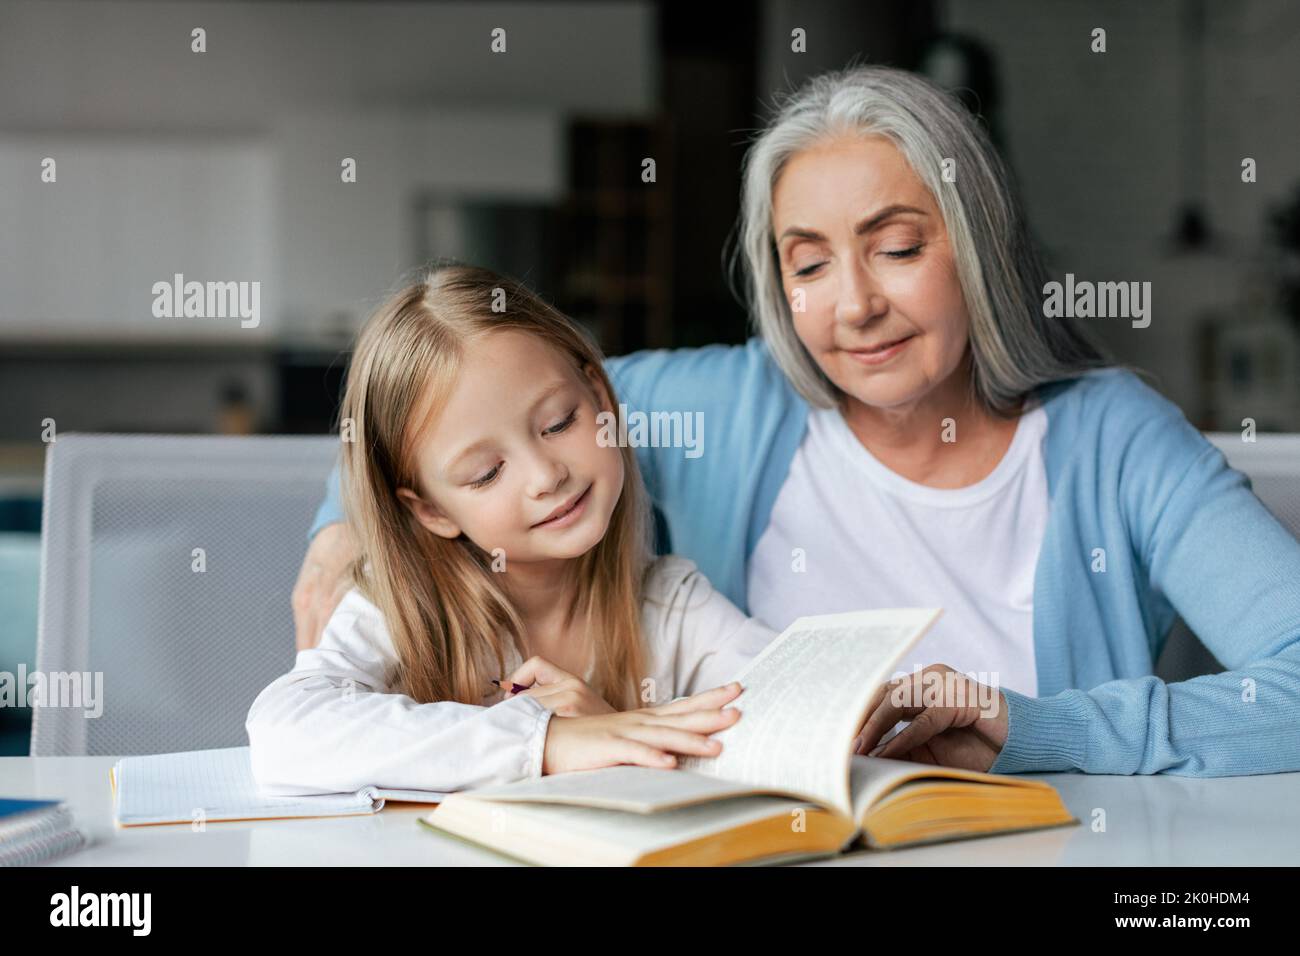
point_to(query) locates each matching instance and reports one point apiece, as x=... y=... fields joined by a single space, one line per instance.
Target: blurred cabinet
x=79 y=256
x=1251 y=365
x=615 y=230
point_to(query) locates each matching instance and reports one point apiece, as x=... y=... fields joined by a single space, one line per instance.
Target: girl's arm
x=1208 y=544
x=332 y=724
x=709 y=639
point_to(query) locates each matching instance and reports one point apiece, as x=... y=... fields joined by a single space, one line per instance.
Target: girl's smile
x=566 y=514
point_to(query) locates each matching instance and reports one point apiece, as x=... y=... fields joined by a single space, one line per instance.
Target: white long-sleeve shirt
x=334 y=724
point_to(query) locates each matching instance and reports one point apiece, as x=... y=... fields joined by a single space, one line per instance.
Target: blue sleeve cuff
x=1044 y=734
x=330 y=510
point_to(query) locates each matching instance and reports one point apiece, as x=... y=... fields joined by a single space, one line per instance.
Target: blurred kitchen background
x=225 y=165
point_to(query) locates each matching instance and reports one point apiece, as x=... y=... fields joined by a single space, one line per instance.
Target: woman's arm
x=322 y=582
x=330 y=510
x=1232 y=571
x=332 y=724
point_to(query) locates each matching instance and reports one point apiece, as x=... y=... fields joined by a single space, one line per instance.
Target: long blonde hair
x=450 y=621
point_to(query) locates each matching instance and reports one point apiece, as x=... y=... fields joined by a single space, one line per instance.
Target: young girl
x=501 y=539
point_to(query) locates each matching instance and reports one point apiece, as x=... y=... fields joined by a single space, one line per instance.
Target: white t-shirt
x=872 y=538
x=334 y=723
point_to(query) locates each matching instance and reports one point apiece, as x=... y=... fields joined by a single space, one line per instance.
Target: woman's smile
x=879 y=356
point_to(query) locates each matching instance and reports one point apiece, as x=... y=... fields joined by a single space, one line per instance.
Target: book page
x=626 y=787
x=871 y=778
x=804 y=699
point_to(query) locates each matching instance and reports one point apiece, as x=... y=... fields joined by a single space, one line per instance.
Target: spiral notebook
x=218 y=785
x=37 y=831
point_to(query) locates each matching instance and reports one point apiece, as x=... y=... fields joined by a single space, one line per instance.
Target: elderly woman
x=908 y=428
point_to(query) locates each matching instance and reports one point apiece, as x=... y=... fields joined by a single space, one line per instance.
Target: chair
x=1272 y=463
x=167 y=564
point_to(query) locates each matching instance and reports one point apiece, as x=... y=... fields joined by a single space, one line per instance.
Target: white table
x=1149 y=821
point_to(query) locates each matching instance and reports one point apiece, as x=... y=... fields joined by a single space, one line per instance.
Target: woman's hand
x=955 y=720
x=559 y=691
x=322 y=582
x=649 y=737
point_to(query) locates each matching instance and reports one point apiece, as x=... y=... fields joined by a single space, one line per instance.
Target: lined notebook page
x=174 y=788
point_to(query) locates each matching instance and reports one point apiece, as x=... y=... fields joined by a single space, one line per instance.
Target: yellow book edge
x=933 y=805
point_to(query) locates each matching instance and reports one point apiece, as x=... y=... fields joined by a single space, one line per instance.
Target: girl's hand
x=649 y=737
x=559 y=691
x=955 y=720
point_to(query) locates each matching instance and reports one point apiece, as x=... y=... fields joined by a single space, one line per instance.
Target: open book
x=785 y=786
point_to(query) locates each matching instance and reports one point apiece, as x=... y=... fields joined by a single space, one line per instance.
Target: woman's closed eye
x=891 y=253
x=904 y=253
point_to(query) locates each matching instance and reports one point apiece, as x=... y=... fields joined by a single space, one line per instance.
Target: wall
x=225 y=165
x=284 y=92
x=1095 y=140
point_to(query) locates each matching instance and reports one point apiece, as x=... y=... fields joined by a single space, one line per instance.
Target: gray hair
x=1014 y=347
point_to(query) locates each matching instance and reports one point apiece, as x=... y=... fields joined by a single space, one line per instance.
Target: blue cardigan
x=1182 y=533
